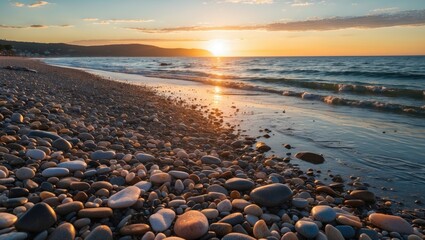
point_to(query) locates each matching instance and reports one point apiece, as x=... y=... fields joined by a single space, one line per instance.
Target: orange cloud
x=402 y=18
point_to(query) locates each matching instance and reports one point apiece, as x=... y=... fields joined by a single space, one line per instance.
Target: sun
x=217 y=47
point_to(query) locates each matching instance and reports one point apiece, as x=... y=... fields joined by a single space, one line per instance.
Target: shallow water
x=383 y=146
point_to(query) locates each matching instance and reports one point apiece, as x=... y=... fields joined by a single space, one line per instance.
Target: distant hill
x=116 y=50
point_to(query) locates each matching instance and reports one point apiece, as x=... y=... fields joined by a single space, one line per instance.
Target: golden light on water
x=217 y=96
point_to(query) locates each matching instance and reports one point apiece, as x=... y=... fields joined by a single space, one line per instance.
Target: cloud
x=35 y=26
x=402 y=18
x=301 y=3
x=18 y=4
x=250 y=1
x=130 y=20
x=113 y=21
x=38 y=26
x=385 y=10
x=10 y=27
x=90 y=19
x=32 y=5
x=37 y=4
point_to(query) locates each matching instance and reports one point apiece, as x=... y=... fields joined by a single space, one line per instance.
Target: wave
x=371 y=104
x=392 y=75
x=328 y=99
x=349 y=88
x=235 y=83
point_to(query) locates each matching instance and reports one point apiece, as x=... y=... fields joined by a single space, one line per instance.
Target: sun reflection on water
x=217 y=96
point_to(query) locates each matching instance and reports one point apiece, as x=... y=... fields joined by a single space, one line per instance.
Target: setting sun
x=218 y=47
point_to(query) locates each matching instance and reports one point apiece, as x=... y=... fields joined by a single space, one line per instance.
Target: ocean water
x=366 y=115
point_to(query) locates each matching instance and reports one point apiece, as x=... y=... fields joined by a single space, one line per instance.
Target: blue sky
x=183 y=23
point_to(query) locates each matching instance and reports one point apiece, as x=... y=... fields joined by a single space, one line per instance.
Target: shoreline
x=154 y=141
x=278 y=122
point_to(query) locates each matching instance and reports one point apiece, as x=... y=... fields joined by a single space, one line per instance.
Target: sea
x=366 y=115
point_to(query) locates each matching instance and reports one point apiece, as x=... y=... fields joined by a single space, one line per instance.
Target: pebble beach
x=82 y=157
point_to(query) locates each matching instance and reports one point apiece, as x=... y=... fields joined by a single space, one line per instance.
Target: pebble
x=289 y=236
x=100 y=212
x=82 y=222
x=43 y=134
x=333 y=233
x=17 y=117
x=208 y=159
x=100 y=154
x=179 y=174
x=124 y=198
x=69 y=207
x=254 y=210
x=63 y=231
x=101 y=232
x=62 y=144
x=343 y=219
x=7 y=220
x=307 y=229
x=14 y=236
x=224 y=206
x=346 y=231
x=239 y=184
x=391 y=223
x=310 y=157
x=144 y=186
x=162 y=220
x=237 y=236
x=300 y=202
x=24 y=173
x=272 y=195
x=191 y=225
x=38 y=218
x=364 y=195
x=55 y=172
x=160 y=178
x=262 y=147
x=364 y=236
x=145 y=158
x=210 y=213
x=233 y=219
x=135 y=229
x=324 y=214
x=73 y=165
x=36 y=154
x=261 y=230
x=221 y=229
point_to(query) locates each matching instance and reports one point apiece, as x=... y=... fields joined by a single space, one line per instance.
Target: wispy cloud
x=385 y=10
x=402 y=18
x=37 y=4
x=250 y=1
x=10 y=26
x=31 y=5
x=301 y=3
x=36 y=26
x=112 y=21
x=90 y=19
x=18 y=4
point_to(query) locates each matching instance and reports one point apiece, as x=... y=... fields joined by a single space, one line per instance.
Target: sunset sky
x=229 y=27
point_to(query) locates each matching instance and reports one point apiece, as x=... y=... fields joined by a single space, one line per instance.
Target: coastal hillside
x=118 y=50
